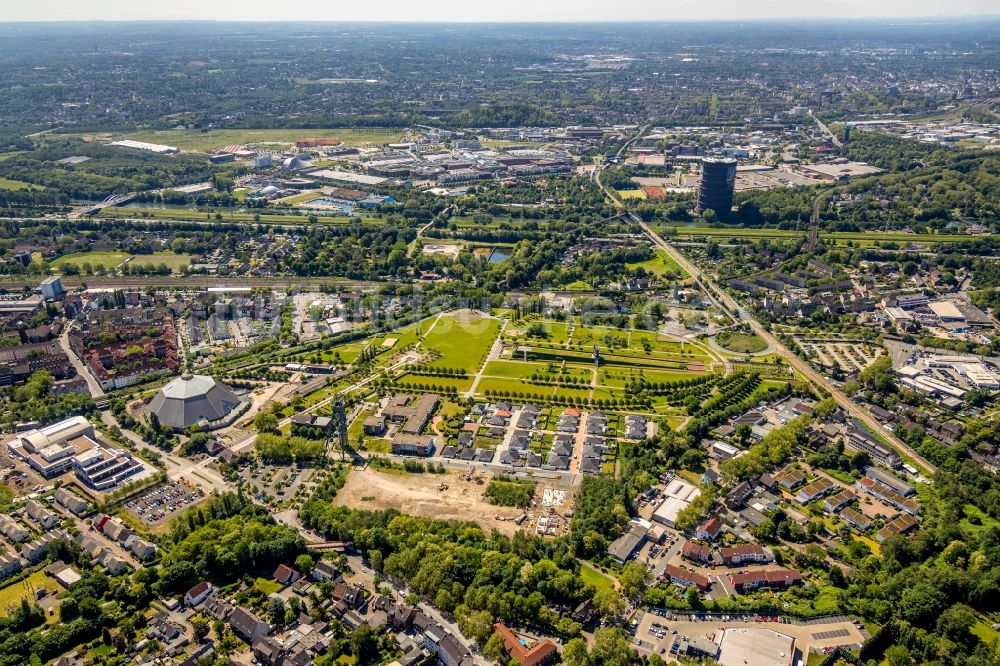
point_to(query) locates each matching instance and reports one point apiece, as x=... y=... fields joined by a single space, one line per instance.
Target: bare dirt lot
x=420 y=495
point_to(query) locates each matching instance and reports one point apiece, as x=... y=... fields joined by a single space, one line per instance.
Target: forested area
x=279 y=449
x=223 y=541
x=35 y=401
x=478 y=577
x=508 y=491
x=111 y=170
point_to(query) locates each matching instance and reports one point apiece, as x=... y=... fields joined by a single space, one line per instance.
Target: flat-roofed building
x=677 y=496
x=946 y=311
x=412 y=445
x=104 y=468
x=754 y=647
x=695 y=647
x=624 y=547
x=50 y=450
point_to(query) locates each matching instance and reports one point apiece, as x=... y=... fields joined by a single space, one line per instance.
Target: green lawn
x=618 y=377
x=9 y=184
x=460 y=383
x=355 y=430
x=405 y=336
x=511 y=386
x=743 y=343
x=106 y=259
x=197 y=140
x=377 y=446
x=631 y=194
x=11 y=595
x=462 y=339
x=595 y=578
x=345 y=353
x=555 y=331
x=513 y=369
x=660 y=263
x=176 y=262
x=987 y=634
x=267 y=586
x=111 y=259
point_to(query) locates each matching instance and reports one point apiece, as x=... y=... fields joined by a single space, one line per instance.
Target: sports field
x=108 y=260
x=111 y=259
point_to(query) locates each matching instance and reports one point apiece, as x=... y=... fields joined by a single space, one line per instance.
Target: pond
x=499 y=255
x=329 y=206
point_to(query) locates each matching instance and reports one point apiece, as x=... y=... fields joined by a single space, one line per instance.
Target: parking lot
x=277 y=483
x=157 y=505
x=656 y=631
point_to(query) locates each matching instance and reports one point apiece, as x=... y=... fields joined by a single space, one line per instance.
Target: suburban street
x=96 y=392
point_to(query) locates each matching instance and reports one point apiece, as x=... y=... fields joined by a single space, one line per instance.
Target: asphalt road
x=96 y=392
x=731 y=307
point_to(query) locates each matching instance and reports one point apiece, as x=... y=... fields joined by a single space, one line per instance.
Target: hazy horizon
x=513 y=11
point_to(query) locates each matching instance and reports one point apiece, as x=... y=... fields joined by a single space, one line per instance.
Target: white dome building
x=192 y=399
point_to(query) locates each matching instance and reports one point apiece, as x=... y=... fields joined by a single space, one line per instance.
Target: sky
x=483 y=10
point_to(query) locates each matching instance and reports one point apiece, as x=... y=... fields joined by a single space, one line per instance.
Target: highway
x=730 y=306
x=823 y=128
x=737 y=313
